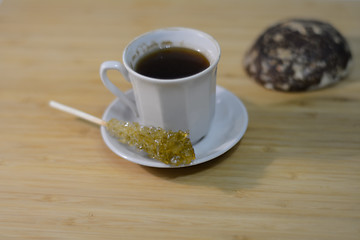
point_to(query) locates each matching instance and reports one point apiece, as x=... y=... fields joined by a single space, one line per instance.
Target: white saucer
x=228 y=127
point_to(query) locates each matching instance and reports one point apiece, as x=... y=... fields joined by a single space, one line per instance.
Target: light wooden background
x=294 y=175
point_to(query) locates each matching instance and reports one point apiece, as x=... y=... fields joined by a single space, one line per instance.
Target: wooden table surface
x=294 y=175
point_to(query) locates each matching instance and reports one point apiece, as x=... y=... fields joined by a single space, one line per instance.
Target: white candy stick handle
x=77 y=113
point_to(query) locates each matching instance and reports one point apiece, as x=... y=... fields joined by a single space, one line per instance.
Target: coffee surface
x=172 y=63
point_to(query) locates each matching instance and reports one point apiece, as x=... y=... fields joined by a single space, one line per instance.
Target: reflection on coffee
x=172 y=63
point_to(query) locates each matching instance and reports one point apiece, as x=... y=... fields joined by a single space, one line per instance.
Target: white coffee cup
x=187 y=103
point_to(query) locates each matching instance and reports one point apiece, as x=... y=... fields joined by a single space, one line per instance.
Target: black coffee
x=172 y=63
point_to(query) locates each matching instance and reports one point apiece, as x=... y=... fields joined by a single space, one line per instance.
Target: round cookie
x=298 y=55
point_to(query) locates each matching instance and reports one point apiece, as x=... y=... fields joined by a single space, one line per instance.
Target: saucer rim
x=145 y=161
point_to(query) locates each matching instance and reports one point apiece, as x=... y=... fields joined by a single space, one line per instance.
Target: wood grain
x=294 y=175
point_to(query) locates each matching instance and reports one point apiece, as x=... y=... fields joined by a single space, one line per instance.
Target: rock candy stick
x=169 y=147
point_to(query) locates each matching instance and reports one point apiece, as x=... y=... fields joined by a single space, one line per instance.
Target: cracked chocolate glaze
x=298 y=55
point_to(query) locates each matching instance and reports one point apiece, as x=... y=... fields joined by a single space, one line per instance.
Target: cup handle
x=115 y=65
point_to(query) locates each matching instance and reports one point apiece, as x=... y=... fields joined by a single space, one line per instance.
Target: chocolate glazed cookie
x=298 y=55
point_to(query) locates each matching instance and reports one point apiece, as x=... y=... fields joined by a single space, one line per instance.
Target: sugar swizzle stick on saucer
x=169 y=147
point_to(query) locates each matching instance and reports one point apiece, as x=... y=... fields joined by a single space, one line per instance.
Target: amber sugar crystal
x=169 y=147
